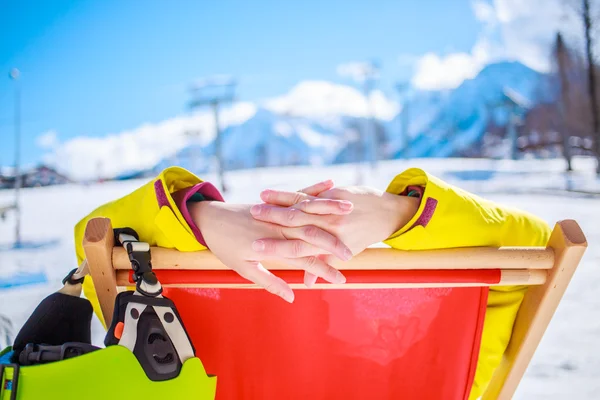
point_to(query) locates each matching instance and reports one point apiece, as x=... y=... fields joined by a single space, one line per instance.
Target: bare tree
x=588 y=99
x=587 y=23
x=562 y=59
x=561 y=126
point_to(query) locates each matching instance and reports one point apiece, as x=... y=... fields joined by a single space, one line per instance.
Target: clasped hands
x=307 y=230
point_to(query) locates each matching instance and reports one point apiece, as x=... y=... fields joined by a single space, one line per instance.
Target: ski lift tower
x=370 y=75
x=403 y=89
x=367 y=74
x=214 y=91
x=518 y=106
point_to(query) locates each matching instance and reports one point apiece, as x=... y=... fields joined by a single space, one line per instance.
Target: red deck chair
x=406 y=325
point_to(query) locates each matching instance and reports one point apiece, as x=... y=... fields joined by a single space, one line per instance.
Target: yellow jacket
x=456 y=218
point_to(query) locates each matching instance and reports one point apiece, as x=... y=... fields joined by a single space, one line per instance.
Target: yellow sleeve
x=450 y=217
x=152 y=213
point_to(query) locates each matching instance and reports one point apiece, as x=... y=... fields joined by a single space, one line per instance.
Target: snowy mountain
x=444 y=124
x=316 y=122
x=265 y=139
x=321 y=123
x=270 y=139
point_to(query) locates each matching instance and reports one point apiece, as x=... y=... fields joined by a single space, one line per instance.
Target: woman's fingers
x=255 y=272
x=283 y=216
x=283 y=248
x=325 y=206
x=315 y=189
x=307 y=204
x=283 y=198
x=309 y=279
x=318 y=267
x=290 y=216
x=286 y=199
x=303 y=239
x=320 y=239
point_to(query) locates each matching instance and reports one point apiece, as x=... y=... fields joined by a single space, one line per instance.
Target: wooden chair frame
x=548 y=271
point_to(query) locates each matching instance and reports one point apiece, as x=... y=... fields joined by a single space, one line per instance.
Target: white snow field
x=567 y=362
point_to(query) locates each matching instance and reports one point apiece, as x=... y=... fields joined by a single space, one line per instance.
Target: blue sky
x=90 y=68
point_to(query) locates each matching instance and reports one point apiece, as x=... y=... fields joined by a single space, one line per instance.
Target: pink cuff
x=182 y=196
x=418 y=189
x=428 y=210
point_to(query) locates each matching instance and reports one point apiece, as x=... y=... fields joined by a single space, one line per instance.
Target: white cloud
x=527 y=30
x=511 y=10
x=47 y=140
x=511 y=30
x=357 y=71
x=143 y=147
x=87 y=157
x=484 y=11
x=435 y=72
x=318 y=99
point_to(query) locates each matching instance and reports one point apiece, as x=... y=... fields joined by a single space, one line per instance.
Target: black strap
x=35 y=354
x=69 y=278
x=127 y=231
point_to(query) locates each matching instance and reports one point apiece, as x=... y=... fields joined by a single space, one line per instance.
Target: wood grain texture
x=508 y=277
x=537 y=309
x=373 y=258
x=98 y=243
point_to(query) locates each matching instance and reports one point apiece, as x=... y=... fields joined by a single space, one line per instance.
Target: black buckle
x=34 y=354
x=10 y=384
x=141 y=263
x=69 y=278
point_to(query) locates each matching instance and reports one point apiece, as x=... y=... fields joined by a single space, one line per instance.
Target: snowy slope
x=567 y=362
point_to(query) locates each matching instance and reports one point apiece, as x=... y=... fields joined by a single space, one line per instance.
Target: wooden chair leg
x=98 y=243
x=537 y=309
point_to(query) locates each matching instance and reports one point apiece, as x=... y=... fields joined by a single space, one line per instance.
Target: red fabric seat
x=336 y=344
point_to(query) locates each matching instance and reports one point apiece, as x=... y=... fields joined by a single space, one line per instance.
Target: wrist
x=186 y=198
x=199 y=212
x=401 y=210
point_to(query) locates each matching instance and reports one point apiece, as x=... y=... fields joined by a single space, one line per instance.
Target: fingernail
x=347 y=254
x=339 y=277
x=328 y=182
x=289 y=297
x=310 y=281
x=255 y=210
x=258 y=245
x=346 y=205
x=266 y=194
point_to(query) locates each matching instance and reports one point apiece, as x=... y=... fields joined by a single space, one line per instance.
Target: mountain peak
x=507 y=70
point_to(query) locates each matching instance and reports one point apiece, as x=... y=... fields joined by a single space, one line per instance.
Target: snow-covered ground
x=567 y=363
